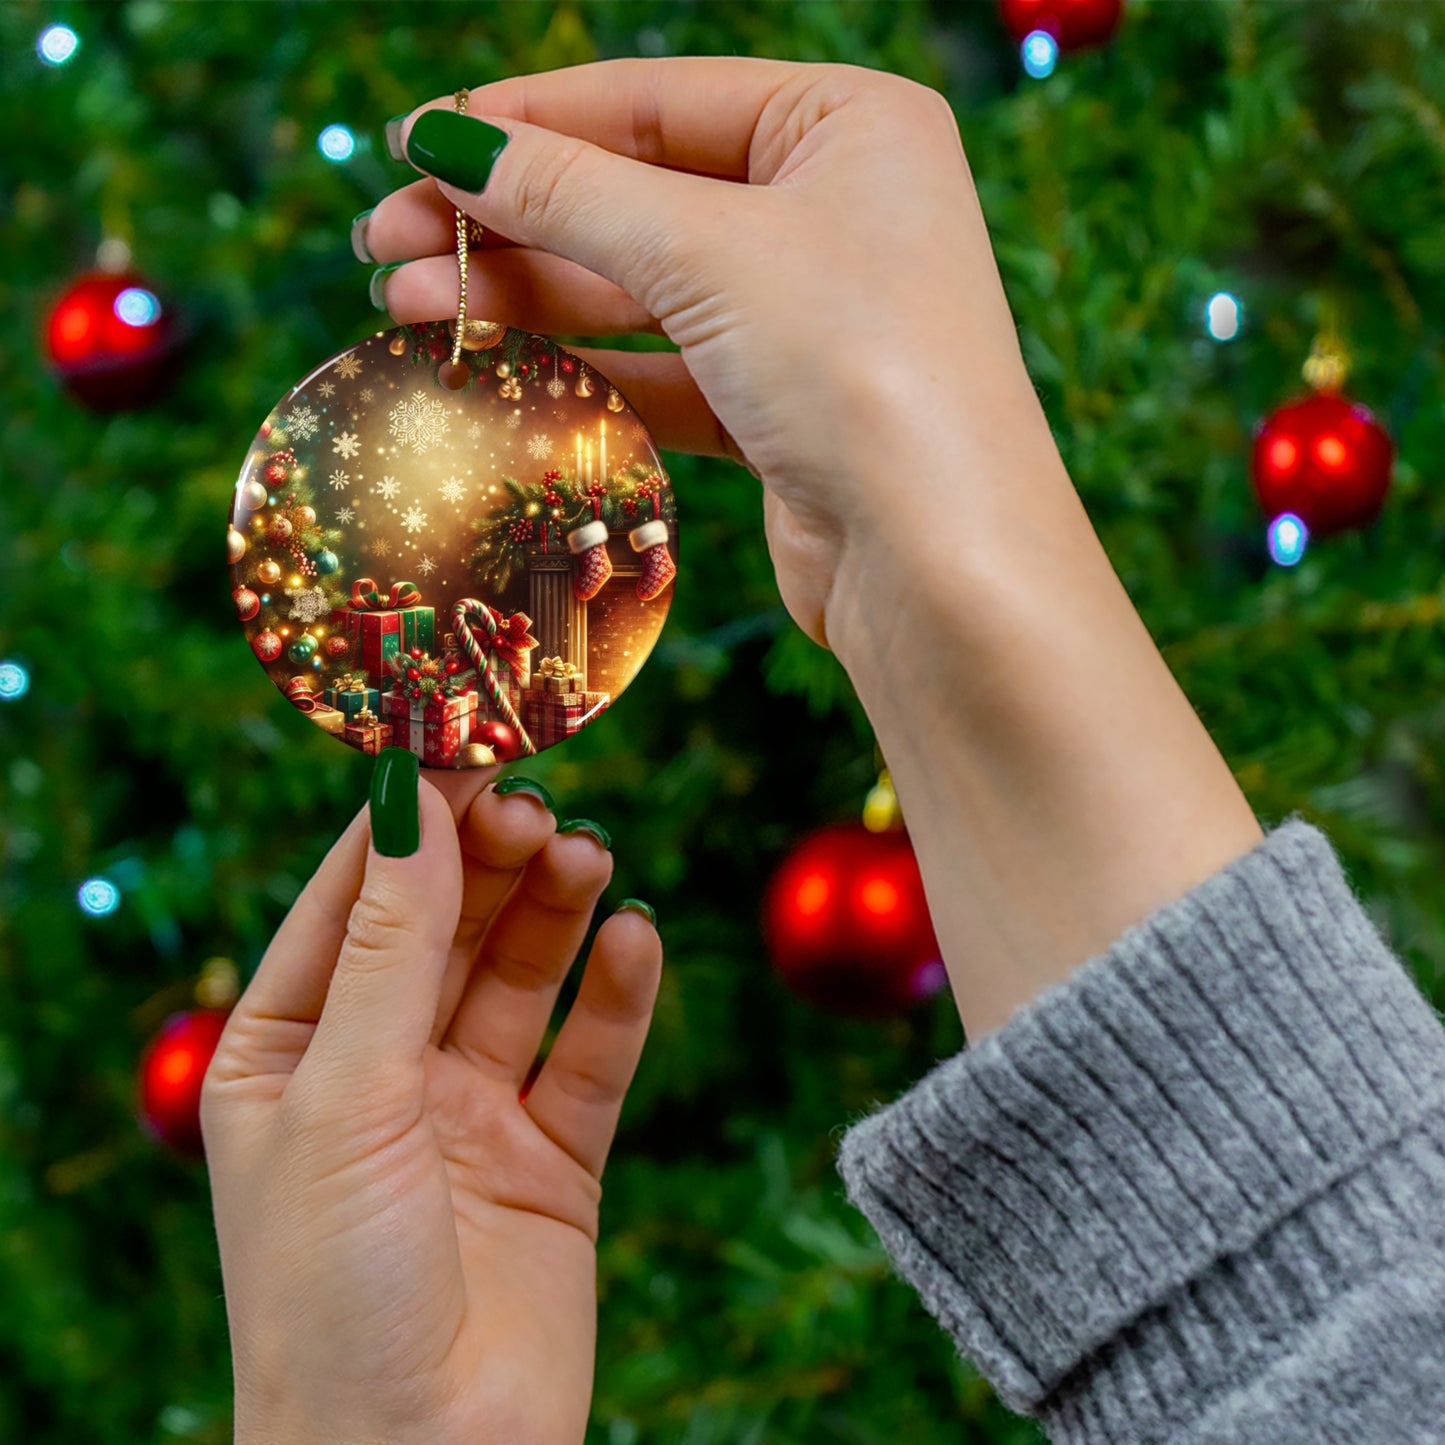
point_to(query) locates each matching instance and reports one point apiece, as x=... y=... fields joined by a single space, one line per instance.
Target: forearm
x=1056 y=781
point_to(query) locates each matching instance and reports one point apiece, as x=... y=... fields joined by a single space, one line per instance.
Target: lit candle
x=578 y=472
x=589 y=464
x=603 y=468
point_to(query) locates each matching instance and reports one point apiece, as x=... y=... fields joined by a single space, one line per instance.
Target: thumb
x=634 y=224
x=382 y=1000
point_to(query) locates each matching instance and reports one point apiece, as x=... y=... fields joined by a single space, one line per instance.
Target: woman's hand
x=808 y=235
x=811 y=238
x=407 y=1246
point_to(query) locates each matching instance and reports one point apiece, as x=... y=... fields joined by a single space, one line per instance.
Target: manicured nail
x=393 y=137
x=529 y=786
x=586 y=825
x=636 y=905
x=455 y=148
x=377 y=289
x=358 y=238
x=395 y=812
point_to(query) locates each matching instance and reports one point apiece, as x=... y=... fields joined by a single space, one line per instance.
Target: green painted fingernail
x=393 y=137
x=395 y=810
x=529 y=786
x=359 y=247
x=586 y=825
x=377 y=289
x=457 y=149
x=636 y=905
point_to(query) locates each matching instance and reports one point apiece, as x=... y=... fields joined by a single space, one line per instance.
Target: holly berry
x=568 y=366
x=412 y=674
x=416 y=652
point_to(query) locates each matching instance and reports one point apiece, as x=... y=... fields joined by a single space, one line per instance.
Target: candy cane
x=463 y=614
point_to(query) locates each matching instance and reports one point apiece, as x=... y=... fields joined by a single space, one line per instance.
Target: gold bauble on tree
x=614 y=399
x=269 y=573
x=481 y=335
x=504 y=368
x=235 y=546
x=584 y=383
x=398 y=345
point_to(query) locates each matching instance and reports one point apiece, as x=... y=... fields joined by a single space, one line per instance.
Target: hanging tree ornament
x=408 y=476
x=1322 y=459
x=174 y=1063
x=846 y=920
x=1070 y=24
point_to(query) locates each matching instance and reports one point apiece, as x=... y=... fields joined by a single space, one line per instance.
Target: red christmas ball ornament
x=502 y=740
x=1073 y=23
x=111 y=341
x=568 y=366
x=247 y=603
x=276 y=473
x=266 y=645
x=279 y=532
x=847 y=923
x=1324 y=458
x=172 y=1070
x=336 y=646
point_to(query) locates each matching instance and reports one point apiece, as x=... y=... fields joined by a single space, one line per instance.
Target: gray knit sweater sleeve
x=1197 y=1191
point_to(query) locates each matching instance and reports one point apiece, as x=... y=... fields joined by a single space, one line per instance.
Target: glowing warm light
x=176 y=1067
x=14 y=681
x=1040 y=54
x=336 y=143
x=1283 y=454
x=98 y=896
x=57 y=44
x=137 y=307
x=812 y=895
x=1287 y=538
x=1222 y=316
x=1331 y=451
x=879 y=897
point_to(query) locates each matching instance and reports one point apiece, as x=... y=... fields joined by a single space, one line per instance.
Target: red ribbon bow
x=513 y=640
x=366 y=598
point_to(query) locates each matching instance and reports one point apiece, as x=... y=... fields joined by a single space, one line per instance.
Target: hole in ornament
x=453 y=375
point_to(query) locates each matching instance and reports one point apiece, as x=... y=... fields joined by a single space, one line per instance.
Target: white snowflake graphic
x=348 y=366
x=418 y=422
x=303 y=421
x=308 y=604
x=379 y=549
x=637 y=432
x=539 y=447
x=515 y=420
x=326 y=389
x=556 y=387
x=426 y=566
x=346 y=445
x=453 y=489
x=345 y=514
x=474 y=432
x=388 y=487
x=367 y=394
x=413 y=519
x=339 y=480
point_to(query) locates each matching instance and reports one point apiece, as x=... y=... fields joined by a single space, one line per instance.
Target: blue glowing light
x=98 y=897
x=1288 y=536
x=14 y=681
x=57 y=44
x=1223 y=316
x=337 y=143
x=137 y=307
x=1040 y=53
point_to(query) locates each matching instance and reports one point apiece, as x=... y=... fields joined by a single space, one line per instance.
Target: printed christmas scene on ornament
x=472 y=573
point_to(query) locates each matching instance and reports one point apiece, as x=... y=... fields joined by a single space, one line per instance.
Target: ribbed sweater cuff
x=1232 y=1058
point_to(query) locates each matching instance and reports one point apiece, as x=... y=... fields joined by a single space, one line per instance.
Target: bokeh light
x=98 y=897
x=57 y=44
x=137 y=307
x=1288 y=537
x=14 y=681
x=1040 y=54
x=1223 y=316
x=336 y=143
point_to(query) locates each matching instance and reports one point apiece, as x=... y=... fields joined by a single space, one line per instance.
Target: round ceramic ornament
x=472 y=573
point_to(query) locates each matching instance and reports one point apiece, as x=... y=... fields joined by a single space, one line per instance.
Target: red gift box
x=382 y=626
x=435 y=729
x=549 y=717
x=368 y=738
